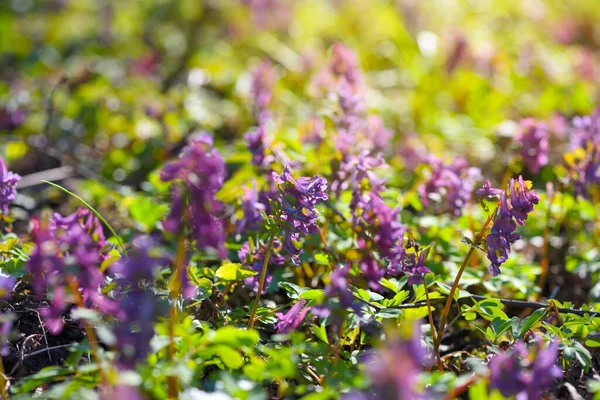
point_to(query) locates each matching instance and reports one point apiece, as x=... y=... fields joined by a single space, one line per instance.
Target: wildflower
x=66 y=249
x=487 y=190
x=394 y=368
x=525 y=373
x=293 y=318
x=137 y=302
x=585 y=130
x=454 y=183
x=263 y=80
x=342 y=65
x=202 y=170
x=298 y=198
x=338 y=294
x=513 y=209
x=414 y=267
x=255 y=261
x=252 y=209
x=8 y=187
x=522 y=200
x=533 y=138
x=7 y=283
x=257 y=142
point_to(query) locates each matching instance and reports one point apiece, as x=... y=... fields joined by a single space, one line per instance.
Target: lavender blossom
x=7 y=283
x=298 y=198
x=338 y=294
x=68 y=248
x=293 y=318
x=525 y=373
x=394 y=368
x=255 y=261
x=202 y=170
x=263 y=80
x=137 y=302
x=342 y=65
x=252 y=209
x=513 y=209
x=8 y=187
x=257 y=143
x=533 y=138
x=454 y=183
x=585 y=130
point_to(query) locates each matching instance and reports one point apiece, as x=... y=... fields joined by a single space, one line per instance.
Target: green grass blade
x=92 y=209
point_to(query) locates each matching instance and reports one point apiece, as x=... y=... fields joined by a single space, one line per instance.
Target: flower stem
x=89 y=330
x=429 y=312
x=446 y=311
x=261 y=284
x=172 y=382
x=3 y=381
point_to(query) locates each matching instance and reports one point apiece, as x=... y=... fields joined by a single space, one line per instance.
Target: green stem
x=444 y=318
x=172 y=381
x=261 y=284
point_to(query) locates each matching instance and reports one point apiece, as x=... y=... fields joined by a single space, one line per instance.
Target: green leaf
x=233 y=272
x=231 y=358
x=320 y=333
x=235 y=337
x=530 y=321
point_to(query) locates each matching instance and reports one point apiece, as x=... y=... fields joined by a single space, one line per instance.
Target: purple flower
x=454 y=183
x=298 y=198
x=585 y=130
x=394 y=368
x=255 y=261
x=383 y=232
x=293 y=318
x=263 y=80
x=7 y=283
x=414 y=267
x=513 y=209
x=270 y=14
x=137 y=301
x=202 y=170
x=342 y=65
x=525 y=373
x=8 y=187
x=252 y=208
x=533 y=138
x=66 y=249
x=338 y=294
x=257 y=143
x=522 y=200
x=487 y=190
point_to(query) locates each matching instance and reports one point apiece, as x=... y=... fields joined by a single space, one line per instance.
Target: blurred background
x=113 y=88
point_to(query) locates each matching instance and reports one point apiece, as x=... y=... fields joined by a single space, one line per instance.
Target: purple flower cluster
x=137 y=301
x=8 y=187
x=69 y=248
x=514 y=209
x=338 y=294
x=584 y=163
x=343 y=66
x=394 y=369
x=202 y=170
x=257 y=144
x=385 y=234
x=262 y=82
x=293 y=318
x=533 y=138
x=454 y=183
x=298 y=199
x=525 y=373
x=585 y=130
x=254 y=260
